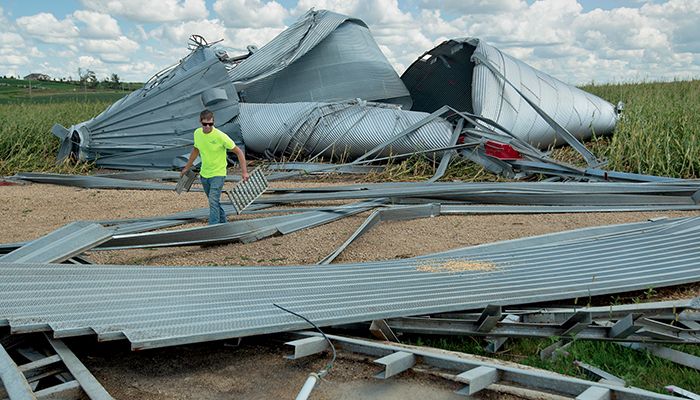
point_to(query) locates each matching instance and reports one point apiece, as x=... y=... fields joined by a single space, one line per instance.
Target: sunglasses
x=207 y=124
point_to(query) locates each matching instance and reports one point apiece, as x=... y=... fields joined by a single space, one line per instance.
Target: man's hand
x=184 y=171
x=245 y=176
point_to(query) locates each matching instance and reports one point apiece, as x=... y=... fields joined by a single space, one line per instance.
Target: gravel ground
x=257 y=370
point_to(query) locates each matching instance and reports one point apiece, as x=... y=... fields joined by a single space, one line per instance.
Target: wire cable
x=328 y=367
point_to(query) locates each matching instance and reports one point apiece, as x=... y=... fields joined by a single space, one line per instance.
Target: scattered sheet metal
x=164 y=306
x=61 y=244
x=91 y=182
x=155 y=175
x=58 y=371
x=458 y=209
x=9 y=247
x=145 y=175
x=551 y=168
x=523 y=193
x=578 y=326
x=669 y=310
x=478 y=373
x=455 y=73
x=310 y=168
x=244 y=231
x=323 y=56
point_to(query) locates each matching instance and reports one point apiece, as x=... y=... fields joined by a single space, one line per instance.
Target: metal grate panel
x=245 y=192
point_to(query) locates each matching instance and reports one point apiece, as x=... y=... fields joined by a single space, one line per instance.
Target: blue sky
x=575 y=41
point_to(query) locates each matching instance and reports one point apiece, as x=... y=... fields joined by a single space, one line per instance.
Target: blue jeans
x=212 y=188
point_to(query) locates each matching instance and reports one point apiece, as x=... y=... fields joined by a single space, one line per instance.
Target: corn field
x=26 y=142
x=659 y=132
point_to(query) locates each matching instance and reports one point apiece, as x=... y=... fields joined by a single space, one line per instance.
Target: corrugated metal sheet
x=449 y=75
x=323 y=56
x=162 y=306
x=61 y=244
x=336 y=129
x=248 y=230
x=522 y=193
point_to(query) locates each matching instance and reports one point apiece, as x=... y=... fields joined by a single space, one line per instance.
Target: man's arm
x=241 y=160
x=193 y=156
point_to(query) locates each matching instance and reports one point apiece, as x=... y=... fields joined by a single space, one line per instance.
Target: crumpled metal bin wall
x=322 y=57
x=451 y=74
x=335 y=130
x=152 y=126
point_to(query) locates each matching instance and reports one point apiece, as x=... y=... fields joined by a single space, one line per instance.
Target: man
x=210 y=144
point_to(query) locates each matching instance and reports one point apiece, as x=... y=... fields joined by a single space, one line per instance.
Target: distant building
x=37 y=77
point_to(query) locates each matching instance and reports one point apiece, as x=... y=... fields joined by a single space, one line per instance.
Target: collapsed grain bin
x=470 y=75
x=323 y=56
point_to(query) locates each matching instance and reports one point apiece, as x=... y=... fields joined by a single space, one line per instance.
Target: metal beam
x=678 y=357
x=459 y=362
x=87 y=381
x=13 y=379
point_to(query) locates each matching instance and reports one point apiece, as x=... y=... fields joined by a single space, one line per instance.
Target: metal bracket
x=307 y=346
x=395 y=363
x=477 y=379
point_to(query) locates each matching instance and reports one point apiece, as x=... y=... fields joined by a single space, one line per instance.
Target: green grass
x=640 y=369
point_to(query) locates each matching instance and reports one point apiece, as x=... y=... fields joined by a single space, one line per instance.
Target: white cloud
x=251 y=13
x=151 y=11
x=12 y=57
x=652 y=40
x=178 y=34
x=46 y=28
x=97 y=25
x=391 y=27
x=680 y=18
x=619 y=28
x=3 y=19
x=475 y=7
x=238 y=39
x=11 y=40
x=62 y=53
x=432 y=23
x=109 y=50
x=89 y=62
x=121 y=45
x=138 y=69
